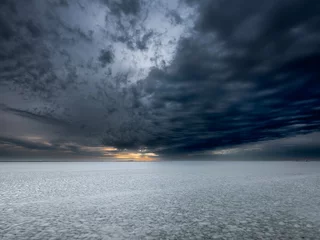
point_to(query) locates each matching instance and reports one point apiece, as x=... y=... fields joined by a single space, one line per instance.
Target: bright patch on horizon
x=136 y=156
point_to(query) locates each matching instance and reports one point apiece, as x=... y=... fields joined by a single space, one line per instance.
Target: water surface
x=160 y=200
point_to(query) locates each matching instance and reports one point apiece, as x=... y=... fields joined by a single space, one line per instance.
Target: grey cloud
x=63 y=3
x=26 y=144
x=175 y=17
x=300 y=147
x=233 y=91
x=245 y=72
x=106 y=57
x=6 y=31
x=25 y=148
x=47 y=119
x=142 y=44
x=123 y=6
x=34 y=30
x=26 y=57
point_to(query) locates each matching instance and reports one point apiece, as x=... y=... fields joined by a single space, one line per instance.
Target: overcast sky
x=163 y=79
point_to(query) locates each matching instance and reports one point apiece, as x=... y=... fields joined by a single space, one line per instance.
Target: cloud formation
x=175 y=77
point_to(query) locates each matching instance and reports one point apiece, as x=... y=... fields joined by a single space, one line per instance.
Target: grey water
x=160 y=200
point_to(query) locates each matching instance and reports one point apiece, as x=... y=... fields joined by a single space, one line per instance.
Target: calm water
x=160 y=200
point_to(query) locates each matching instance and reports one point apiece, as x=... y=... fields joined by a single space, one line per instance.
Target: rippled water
x=160 y=200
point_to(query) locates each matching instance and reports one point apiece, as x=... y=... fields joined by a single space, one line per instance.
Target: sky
x=160 y=80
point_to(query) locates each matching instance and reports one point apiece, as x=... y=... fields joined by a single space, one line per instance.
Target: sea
x=160 y=200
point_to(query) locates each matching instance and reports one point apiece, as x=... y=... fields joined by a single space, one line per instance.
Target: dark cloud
x=175 y=17
x=6 y=31
x=130 y=20
x=34 y=30
x=142 y=43
x=25 y=148
x=127 y=7
x=26 y=144
x=232 y=73
x=244 y=75
x=106 y=57
x=47 y=119
x=301 y=147
x=63 y=3
x=26 y=60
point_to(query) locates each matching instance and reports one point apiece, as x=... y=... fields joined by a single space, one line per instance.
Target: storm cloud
x=171 y=78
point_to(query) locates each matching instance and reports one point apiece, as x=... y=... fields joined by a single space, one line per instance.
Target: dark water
x=160 y=200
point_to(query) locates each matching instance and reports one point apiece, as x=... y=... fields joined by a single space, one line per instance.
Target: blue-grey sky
x=163 y=79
